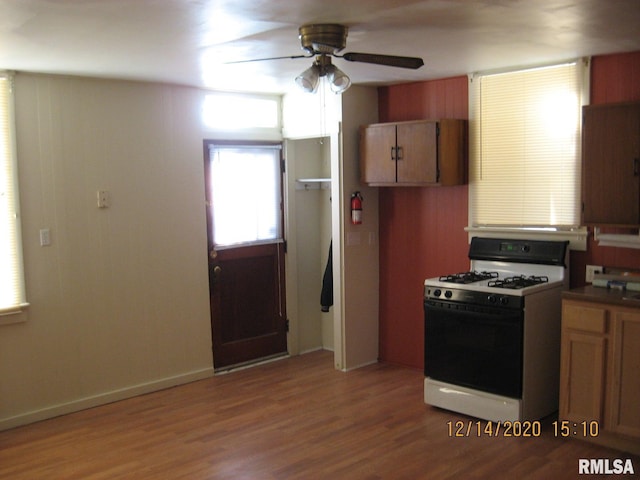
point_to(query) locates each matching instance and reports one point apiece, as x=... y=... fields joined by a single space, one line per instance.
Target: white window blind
x=525 y=148
x=12 y=292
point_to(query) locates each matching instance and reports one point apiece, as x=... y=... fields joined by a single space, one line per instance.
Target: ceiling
x=189 y=41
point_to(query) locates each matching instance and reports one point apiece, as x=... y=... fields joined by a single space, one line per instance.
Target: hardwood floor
x=296 y=418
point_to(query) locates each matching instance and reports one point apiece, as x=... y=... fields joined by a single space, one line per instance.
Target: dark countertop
x=604 y=295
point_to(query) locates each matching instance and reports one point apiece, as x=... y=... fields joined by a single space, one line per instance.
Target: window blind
x=12 y=292
x=525 y=148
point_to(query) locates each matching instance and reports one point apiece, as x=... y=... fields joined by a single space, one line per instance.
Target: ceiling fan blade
x=265 y=59
x=388 y=60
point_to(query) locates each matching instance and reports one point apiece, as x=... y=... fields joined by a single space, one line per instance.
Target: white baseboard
x=102 y=399
x=360 y=365
x=311 y=350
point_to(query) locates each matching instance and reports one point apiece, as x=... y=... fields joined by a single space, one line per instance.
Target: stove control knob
x=448 y=294
x=437 y=292
x=504 y=300
x=492 y=299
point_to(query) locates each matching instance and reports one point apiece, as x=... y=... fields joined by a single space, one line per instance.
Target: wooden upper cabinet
x=420 y=153
x=611 y=164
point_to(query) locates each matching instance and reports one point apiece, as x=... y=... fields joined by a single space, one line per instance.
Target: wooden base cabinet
x=624 y=401
x=599 y=380
x=582 y=365
x=419 y=153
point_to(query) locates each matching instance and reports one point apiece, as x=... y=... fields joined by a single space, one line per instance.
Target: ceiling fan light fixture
x=325 y=40
x=309 y=79
x=322 y=67
x=338 y=80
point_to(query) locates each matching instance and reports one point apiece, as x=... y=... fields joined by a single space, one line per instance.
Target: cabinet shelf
x=313 y=183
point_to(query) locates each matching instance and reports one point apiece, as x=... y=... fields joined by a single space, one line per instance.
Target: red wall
x=422 y=229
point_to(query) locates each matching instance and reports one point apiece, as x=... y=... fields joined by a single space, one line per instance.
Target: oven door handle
x=485 y=313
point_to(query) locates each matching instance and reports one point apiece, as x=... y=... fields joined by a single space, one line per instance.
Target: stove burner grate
x=519 y=281
x=468 y=277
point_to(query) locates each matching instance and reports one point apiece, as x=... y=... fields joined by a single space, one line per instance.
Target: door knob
x=214 y=275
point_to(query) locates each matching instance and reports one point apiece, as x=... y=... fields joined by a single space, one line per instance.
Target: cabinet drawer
x=580 y=317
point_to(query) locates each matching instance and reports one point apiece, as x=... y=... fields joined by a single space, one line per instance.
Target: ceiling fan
x=325 y=40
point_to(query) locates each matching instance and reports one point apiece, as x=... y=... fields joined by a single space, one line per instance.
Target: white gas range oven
x=492 y=335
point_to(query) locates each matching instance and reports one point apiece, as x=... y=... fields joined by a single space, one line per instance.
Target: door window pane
x=246 y=194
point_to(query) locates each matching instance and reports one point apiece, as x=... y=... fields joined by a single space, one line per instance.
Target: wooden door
x=611 y=164
x=582 y=376
x=378 y=154
x=417 y=153
x=624 y=404
x=246 y=251
x=582 y=362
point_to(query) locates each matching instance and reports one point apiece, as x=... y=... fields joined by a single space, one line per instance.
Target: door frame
x=280 y=244
x=338 y=206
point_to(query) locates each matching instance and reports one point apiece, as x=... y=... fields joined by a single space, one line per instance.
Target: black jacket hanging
x=326 y=295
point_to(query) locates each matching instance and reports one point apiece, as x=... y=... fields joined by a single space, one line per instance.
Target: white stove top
x=501 y=271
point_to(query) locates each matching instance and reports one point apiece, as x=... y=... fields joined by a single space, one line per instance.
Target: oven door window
x=479 y=350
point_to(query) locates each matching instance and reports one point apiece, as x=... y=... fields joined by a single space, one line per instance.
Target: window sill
x=12 y=315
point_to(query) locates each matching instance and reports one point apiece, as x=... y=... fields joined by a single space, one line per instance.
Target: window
x=245 y=193
x=232 y=112
x=525 y=148
x=12 y=292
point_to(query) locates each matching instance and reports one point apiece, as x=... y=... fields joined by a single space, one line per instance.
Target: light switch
x=45 y=237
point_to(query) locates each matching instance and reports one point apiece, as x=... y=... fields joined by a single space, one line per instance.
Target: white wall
x=119 y=301
x=360 y=250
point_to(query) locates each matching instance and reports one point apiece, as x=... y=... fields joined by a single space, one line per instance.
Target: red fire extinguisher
x=356 y=208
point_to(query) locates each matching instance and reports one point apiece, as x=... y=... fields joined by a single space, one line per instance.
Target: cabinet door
x=624 y=405
x=582 y=368
x=378 y=153
x=417 y=153
x=611 y=164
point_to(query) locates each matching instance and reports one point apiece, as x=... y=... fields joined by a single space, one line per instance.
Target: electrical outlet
x=104 y=198
x=591 y=271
